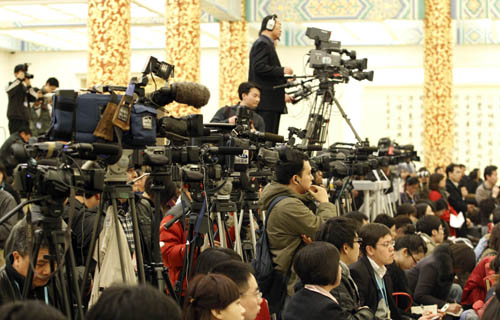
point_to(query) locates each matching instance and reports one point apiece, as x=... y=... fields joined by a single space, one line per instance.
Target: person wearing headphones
x=266 y=70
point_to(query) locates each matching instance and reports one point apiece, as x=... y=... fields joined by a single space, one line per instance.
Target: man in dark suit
x=457 y=194
x=266 y=71
x=370 y=273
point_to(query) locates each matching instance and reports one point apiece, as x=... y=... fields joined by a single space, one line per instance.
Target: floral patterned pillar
x=233 y=58
x=109 y=42
x=438 y=81
x=183 y=46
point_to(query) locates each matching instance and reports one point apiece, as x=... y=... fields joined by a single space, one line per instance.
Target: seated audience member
x=342 y=233
x=29 y=309
x=492 y=311
x=211 y=257
x=249 y=94
x=242 y=274
x=370 y=272
x=493 y=243
x=441 y=206
x=432 y=278
x=486 y=208
x=13 y=274
x=387 y=221
x=424 y=208
x=408 y=251
x=213 y=297
x=403 y=226
x=437 y=186
x=431 y=231
x=410 y=193
x=359 y=217
x=475 y=287
x=134 y=303
x=474 y=181
x=317 y=266
x=408 y=210
x=488 y=189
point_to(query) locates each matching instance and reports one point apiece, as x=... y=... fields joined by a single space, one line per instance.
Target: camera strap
x=199 y=219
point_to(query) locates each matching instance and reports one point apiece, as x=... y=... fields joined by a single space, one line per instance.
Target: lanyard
x=381 y=287
x=45 y=291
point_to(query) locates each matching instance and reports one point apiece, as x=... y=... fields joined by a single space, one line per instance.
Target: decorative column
x=233 y=58
x=438 y=81
x=108 y=30
x=182 y=20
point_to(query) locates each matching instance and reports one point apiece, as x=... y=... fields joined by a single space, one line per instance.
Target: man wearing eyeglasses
x=370 y=272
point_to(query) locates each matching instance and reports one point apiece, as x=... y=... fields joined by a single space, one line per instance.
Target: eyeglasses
x=257 y=294
x=412 y=257
x=388 y=244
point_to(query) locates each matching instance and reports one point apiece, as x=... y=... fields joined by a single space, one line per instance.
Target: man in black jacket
x=13 y=274
x=370 y=273
x=266 y=70
x=20 y=95
x=20 y=137
x=457 y=194
x=249 y=94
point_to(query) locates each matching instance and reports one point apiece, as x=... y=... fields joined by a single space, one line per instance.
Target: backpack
x=272 y=283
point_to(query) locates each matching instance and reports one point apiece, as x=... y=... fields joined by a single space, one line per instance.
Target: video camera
x=24 y=67
x=393 y=153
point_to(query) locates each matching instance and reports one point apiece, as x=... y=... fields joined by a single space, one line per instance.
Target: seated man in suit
x=249 y=94
x=370 y=272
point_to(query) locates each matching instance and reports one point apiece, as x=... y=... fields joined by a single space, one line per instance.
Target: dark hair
x=52 y=82
x=436 y=169
x=434 y=180
x=134 y=302
x=210 y=257
x=421 y=209
x=26 y=130
x=245 y=88
x=494 y=242
x=317 y=263
x=440 y=204
x=488 y=171
x=412 y=242
x=474 y=174
x=265 y=20
x=463 y=257
x=22 y=238
x=406 y=208
x=207 y=292
x=428 y=223
x=492 y=311
x=292 y=165
x=451 y=167
x=486 y=208
x=371 y=233
x=338 y=231
x=237 y=271
x=357 y=216
x=411 y=181
x=168 y=191
x=496 y=215
x=385 y=219
x=29 y=309
x=404 y=221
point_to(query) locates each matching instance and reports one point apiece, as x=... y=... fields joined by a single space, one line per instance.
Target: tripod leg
x=222 y=233
x=252 y=232
x=93 y=242
x=238 y=219
x=33 y=258
x=137 y=239
x=70 y=256
x=117 y=230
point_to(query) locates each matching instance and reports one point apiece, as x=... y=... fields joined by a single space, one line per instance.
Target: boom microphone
x=190 y=93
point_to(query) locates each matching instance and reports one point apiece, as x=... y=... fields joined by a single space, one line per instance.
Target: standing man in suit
x=266 y=71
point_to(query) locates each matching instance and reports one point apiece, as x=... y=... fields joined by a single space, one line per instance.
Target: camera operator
x=20 y=94
x=22 y=136
x=39 y=115
x=293 y=220
x=266 y=70
x=13 y=274
x=249 y=94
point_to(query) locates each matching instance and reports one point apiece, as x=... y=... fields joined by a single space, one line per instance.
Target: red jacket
x=434 y=196
x=475 y=287
x=172 y=251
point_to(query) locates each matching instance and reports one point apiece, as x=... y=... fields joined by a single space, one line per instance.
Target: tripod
x=115 y=189
x=249 y=207
x=319 y=115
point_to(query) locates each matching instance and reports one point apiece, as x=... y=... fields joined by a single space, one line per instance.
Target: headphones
x=271 y=23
